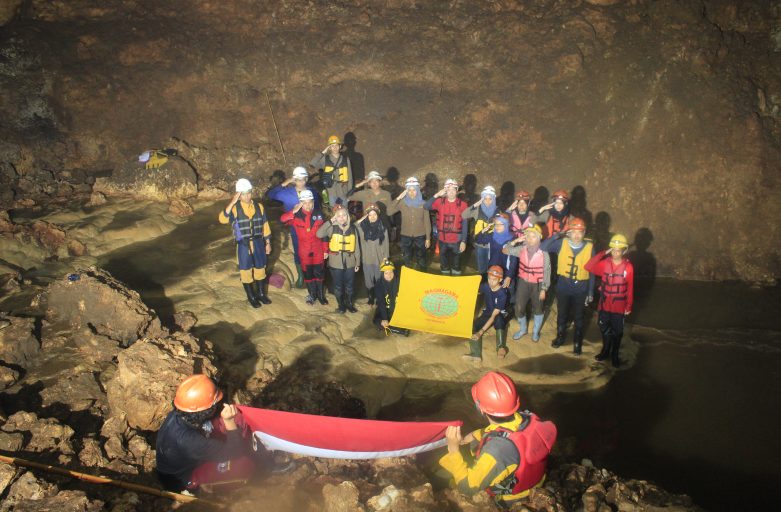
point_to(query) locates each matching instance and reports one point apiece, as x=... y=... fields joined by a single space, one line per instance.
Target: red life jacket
x=614 y=288
x=449 y=222
x=534 y=440
x=554 y=226
x=531 y=271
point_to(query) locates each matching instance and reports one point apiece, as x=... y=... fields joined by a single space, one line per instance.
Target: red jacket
x=449 y=221
x=617 y=288
x=310 y=247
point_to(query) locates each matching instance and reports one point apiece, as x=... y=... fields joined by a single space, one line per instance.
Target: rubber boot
x=577 y=343
x=561 y=336
x=321 y=293
x=250 y=295
x=475 y=350
x=399 y=330
x=340 y=305
x=311 y=289
x=605 y=352
x=614 y=348
x=348 y=303
x=371 y=296
x=537 y=326
x=260 y=293
x=501 y=343
x=522 y=328
x=300 y=278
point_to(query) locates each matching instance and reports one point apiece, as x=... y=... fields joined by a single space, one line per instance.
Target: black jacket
x=386 y=293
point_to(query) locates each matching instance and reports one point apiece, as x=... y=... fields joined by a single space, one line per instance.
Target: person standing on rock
x=372 y=194
x=510 y=454
x=616 y=295
x=555 y=214
x=483 y=214
x=415 y=224
x=452 y=230
x=374 y=244
x=344 y=256
x=304 y=220
x=534 y=273
x=520 y=216
x=252 y=233
x=200 y=442
x=386 y=291
x=337 y=176
x=288 y=193
x=575 y=284
x=494 y=314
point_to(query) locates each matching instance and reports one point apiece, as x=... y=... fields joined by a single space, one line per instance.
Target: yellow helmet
x=334 y=139
x=619 y=242
x=534 y=228
x=386 y=265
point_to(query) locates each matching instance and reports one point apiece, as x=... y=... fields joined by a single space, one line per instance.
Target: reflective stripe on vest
x=531 y=271
x=533 y=440
x=516 y=226
x=449 y=216
x=343 y=242
x=246 y=228
x=571 y=266
x=556 y=226
x=614 y=285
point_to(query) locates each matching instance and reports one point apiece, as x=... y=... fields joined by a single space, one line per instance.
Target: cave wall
x=665 y=112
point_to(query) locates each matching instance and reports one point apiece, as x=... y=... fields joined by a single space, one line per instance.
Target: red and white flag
x=342 y=438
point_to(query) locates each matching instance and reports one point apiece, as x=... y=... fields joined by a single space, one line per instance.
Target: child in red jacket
x=616 y=293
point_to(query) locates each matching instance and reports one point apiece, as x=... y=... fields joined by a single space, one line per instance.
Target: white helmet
x=374 y=175
x=412 y=182
x=299 y=173
x=488 y=191
x=243 y=185
x=450 y=182
x=306 y=195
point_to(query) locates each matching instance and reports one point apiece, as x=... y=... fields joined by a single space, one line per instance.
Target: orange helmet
x=495 y=394
x=561 y=194
x=196 y=393
x=576 y=225
x=496 y=271
x=523 y=196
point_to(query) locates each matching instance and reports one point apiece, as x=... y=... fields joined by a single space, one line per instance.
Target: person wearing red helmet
x=200 y=441
x=521 y=217
x=510 y=454
x=494 y=314
x=555 y=214
x=575 y=284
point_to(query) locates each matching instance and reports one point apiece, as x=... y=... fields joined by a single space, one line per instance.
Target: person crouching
x=386 y=291
x=494 y=315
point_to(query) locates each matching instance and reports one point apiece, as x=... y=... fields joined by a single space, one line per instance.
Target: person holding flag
x=386 y=291
x=494 y=313
x=510 y=454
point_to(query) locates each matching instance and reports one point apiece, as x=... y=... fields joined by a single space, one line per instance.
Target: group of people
x=204 y=445
x=522 y=253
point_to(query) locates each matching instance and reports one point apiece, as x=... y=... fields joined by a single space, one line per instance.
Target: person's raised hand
x=297 y=207
x=402 y=195
x=228 y=415
x=440 y=193
x=453 y=437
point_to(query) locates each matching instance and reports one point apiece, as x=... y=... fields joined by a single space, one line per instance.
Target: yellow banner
x=436 y=303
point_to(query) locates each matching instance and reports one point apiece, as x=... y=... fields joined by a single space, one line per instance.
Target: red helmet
x=576 y=225
x=495 y=394
x=523 y=196
x=196 y=393
x=561 y=194
x=496 y=271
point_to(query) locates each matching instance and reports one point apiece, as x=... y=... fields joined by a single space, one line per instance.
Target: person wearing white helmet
x=482 y=212
x=373 y=235
x=287 y=193
x=252 y=233
x=415 y=224
x=452 y=230
x=372 y=193
x=304 y=220
x=344 y=256
x=337 y=177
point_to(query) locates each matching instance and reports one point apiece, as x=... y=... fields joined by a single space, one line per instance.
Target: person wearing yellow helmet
x=337 y=177
x=534 y=277
x=252 y=233
x=616 y=295
x=386 y=291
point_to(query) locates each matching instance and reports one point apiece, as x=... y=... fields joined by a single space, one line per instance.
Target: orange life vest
x=532 y=270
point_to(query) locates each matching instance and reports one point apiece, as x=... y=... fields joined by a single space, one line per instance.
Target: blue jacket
x=289 y=197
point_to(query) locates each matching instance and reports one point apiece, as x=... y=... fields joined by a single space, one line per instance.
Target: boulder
x=18 y=344
x=27 y=487
x=185 y=320
x=8 y=376
x=63 y=501
x=148 y=374
x=97 y=199
x=91 y=454
x=341 y=498
x=11 y=442
x=175 y=179
x=79 y=392
x=47 y=433
x=92 y=298
x=7 y=474
x=180 y=208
